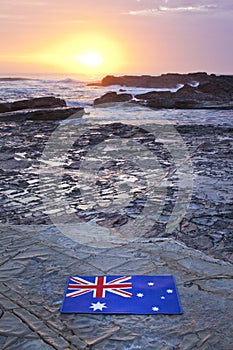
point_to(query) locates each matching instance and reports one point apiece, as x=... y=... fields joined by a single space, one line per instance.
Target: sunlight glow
x=83 y=53
x=91 y=59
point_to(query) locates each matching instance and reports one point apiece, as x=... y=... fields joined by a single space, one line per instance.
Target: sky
x=116 y=36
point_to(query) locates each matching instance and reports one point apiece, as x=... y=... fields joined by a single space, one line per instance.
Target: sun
x=84 y=53
x=90 y=59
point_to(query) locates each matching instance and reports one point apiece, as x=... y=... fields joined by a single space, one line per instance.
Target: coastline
x=39 y=254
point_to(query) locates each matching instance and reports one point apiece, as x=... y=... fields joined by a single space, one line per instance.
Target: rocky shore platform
x=191 y=91
x=37 y=257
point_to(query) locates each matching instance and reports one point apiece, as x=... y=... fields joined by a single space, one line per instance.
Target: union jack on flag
x=99 y=288
x=121 y=295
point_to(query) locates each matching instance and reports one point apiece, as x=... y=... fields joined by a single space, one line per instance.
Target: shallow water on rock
x=120 y=174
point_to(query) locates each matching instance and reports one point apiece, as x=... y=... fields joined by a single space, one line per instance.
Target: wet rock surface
x=42 y=114
x=40 y=102
x=200 y=90
x=169 y=80
x=40 y=108
x=111 y=97
x=207 y=224
x=214 y=95
x=37 y=258
x=37 y=261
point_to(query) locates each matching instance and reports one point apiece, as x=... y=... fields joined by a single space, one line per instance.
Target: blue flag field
x=121 y=295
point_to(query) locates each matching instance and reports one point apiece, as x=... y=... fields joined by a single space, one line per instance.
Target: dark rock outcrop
x=170 y=80
x=199 y=91
x=34 y=103
x=41 y=108
x=43 y=114
x=183 y=98
x=217 y=87
x=112 y=97
x=15 y=79
x=210 y=95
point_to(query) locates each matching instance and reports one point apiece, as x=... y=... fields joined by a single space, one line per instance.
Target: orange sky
x=128 y=36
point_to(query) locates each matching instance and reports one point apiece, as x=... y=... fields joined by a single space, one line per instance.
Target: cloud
x=199 y=8
x=15 y=11
x=183 y=6
x=22 y=3
x=146 y=12
x=11 y=17
x=165 y=9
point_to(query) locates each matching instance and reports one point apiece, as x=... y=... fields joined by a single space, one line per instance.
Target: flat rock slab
x=207 y=224
x=39 y=102
x=37 y=259
x=45 y=114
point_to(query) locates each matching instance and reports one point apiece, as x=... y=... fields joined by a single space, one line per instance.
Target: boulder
x=112 y=97
x=162 y=101
x=43 y=114
x=34 y=103
x=155 y=99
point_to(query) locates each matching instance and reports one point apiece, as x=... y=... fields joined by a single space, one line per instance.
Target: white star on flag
x=98 y=306
x=169 y=291
x=155 y=308
x=136 y=295
x=140 y=295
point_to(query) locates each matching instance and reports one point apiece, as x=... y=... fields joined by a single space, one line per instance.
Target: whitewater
x=77 y=93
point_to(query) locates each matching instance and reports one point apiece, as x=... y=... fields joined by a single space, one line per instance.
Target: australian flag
x=121 y=295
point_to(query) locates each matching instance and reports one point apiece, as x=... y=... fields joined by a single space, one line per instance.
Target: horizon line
x=8 y=74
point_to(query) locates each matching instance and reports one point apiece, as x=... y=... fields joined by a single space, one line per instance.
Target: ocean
x=76 y=92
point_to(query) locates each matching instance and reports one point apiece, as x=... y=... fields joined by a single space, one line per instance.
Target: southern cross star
x=163 y=298
x=98 y=306
x=155 y=308
x=169 y=291
x=140 y=295
x=150 y=284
